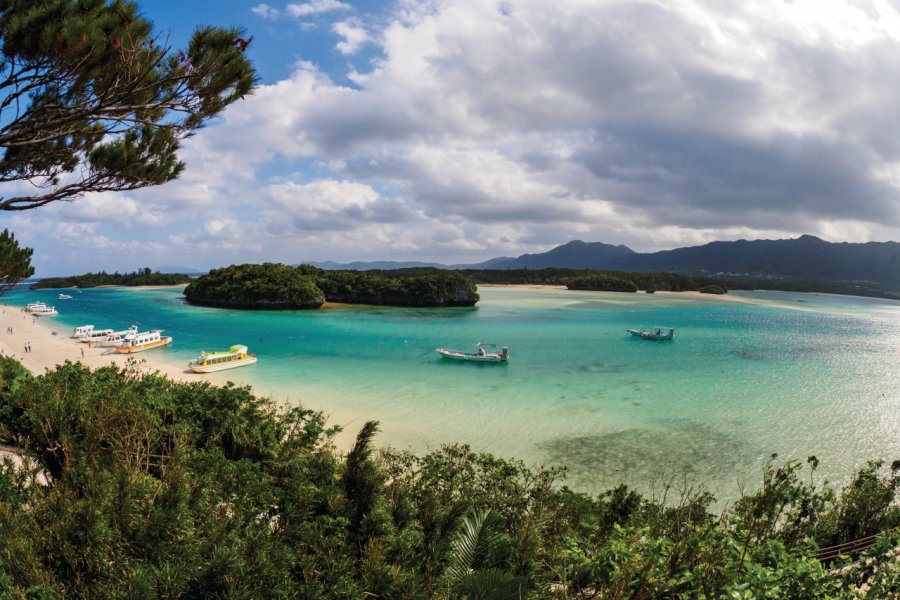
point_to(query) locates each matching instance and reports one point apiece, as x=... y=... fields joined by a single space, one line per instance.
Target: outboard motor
x=504 y=353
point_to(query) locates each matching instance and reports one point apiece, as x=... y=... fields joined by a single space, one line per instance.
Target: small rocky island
x=271 y=286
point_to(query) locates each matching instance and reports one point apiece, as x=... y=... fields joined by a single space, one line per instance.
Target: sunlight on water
x=793 y=374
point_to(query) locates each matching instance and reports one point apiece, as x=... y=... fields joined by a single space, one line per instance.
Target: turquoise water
x=794 y=374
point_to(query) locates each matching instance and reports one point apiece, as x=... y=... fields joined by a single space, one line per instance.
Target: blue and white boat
x=480 y=354
x=653 y=334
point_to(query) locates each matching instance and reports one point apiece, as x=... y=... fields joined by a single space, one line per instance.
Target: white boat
x=653 y=334
x=95 y=336
x=64 y=297
x=39 y=309
x=480 y=354
x=83 y=330
x=209 y=362
x=147 y=340
x=117 y=338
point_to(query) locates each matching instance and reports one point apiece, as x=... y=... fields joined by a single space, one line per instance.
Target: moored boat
x=653 y=334
x=95 y=336
x=480 y=354
x=117 y=338
x=64 y=297
x=40 y=309
x=147 y=340
x=81 y=331
x=209 y=362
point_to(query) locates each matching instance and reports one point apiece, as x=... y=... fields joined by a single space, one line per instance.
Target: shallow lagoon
x=793 y=374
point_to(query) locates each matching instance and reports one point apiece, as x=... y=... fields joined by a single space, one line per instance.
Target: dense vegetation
x=602 y=283
x=140 y=277
x=162 y=489
x=15 y=262
x=671 y=282
x=269 y=286
x=402 y=287
x=789 y=284
x=713 y=289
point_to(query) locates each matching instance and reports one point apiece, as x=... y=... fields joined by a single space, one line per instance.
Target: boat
x=39 y=309
x=235 y=356
x=653 y=334
x=117 y=338
x=64 y=297
x=480 y=354
x=83 y=330
x=95 y=336
x=147 y=340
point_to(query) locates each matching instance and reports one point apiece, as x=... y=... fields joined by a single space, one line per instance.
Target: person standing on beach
x=82 y=352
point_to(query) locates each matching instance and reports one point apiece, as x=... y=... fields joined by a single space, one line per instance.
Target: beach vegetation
x=669 y=282
x=713 y=289
x=15 y=262
x=602 y=283
x=92 y=99
x=156 y=488
x=140 y=277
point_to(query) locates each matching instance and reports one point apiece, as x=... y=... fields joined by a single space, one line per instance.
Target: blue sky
x=460 y=130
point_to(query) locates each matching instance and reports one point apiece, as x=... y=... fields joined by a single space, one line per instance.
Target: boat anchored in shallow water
x=653 y=334
x=480 y=354
x=209 y=362
x=147 y=340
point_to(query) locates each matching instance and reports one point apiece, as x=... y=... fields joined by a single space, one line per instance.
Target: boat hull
x=471 y=356
x=650 y=335
x=142 y=347
x=250 y=360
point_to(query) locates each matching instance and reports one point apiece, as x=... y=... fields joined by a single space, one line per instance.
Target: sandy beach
x=49 y=348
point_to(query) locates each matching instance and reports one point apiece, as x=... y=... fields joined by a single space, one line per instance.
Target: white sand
x=49 y=350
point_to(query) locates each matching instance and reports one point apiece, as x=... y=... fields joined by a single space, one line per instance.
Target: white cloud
x=487 y=129
x=314 y=7
x=266 y=12
x=354 y=36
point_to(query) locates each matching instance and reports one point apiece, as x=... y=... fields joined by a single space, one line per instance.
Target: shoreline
x=50 y=348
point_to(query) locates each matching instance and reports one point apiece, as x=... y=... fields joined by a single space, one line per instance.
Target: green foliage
x=91 y=99
x=15 y=262
x=713 y=289
x=670 y=282
x=140 y=277
x=163 y=489
x=602 y=283
x=280 y=286
x=268 y=286
x=403 y=287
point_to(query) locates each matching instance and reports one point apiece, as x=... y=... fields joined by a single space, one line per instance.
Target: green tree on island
x=91 y=99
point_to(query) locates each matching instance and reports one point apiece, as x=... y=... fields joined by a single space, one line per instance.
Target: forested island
x=140 y=277
x=139 y=486
x=593 y=279
x=278 y=286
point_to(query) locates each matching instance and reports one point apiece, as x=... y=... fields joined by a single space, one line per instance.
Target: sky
x=460 y=130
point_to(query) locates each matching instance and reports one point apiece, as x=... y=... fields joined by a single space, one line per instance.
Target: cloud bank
x=479 y=128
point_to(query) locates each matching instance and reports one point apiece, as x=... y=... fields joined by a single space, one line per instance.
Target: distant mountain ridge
x=806 y=257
